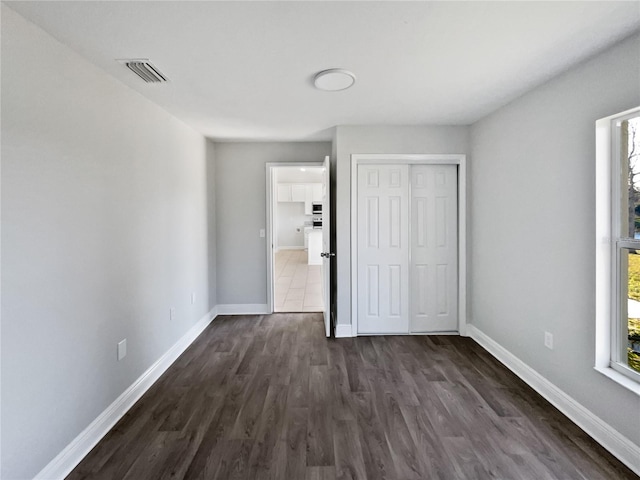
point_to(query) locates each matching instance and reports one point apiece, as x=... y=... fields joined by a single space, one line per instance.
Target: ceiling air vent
x=145 y=70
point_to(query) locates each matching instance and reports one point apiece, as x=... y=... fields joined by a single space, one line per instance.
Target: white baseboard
x=343 y=331
x=243 y=309
x=80 y=446
x=603 y=433
x=296 y=247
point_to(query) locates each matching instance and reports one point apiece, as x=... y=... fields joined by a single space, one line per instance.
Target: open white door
x=326 y=248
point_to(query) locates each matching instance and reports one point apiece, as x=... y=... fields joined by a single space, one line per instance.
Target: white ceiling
x=243 y=70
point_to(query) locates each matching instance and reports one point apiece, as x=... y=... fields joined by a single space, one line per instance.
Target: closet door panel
x=434 y=248
x=383 y=249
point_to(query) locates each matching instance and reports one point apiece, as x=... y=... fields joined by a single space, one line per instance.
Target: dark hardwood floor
x=269 y=397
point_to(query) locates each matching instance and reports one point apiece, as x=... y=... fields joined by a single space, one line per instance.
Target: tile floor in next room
x=298 y=286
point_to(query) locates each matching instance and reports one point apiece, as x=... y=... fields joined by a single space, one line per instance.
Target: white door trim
x=425 y=159
x=270 y=230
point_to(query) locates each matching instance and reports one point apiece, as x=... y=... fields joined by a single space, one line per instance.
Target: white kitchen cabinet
x=298 y=192
x=308 y=208
x=284 y=192
x=314 y=195
x=307 y=193
x=307 y=231
x=315 y=247
x=316 y=192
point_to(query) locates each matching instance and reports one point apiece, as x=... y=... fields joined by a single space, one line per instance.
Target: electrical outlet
x=172 y=313
x=548 y=340
x=193 y=298
x=122 y=349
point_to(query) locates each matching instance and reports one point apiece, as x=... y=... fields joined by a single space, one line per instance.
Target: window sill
x=620 y=379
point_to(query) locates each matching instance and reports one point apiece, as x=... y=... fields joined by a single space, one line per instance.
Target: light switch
x=262 y=233
x=122 y=349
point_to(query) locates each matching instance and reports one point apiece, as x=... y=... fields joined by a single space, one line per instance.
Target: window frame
x=619 y=246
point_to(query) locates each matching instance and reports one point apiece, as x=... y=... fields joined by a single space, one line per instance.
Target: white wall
x=377 y=139
x=533 y=227
x=241 y=212
x=104 y=227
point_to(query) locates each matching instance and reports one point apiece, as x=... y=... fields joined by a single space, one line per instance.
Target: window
x=625 y=243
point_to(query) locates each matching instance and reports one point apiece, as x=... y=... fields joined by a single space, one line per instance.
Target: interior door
x=326 y=247
x=383 y=249
x=434 y=248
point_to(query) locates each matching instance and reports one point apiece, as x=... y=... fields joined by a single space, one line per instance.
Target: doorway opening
x=296 y=218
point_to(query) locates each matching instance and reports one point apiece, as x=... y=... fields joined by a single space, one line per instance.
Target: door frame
x=270 y=231
x=412 y=159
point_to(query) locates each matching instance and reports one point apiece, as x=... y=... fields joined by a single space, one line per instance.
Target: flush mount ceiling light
x=334 y=79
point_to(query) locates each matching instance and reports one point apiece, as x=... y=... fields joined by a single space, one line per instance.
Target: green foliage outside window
x=634 y=323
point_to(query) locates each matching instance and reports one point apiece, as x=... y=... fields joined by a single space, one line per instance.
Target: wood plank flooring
x=268 y=397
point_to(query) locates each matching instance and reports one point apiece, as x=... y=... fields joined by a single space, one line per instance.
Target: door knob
x=327 y=254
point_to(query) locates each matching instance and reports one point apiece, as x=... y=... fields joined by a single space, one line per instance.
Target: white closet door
x=383 y=249
x=434 y=248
